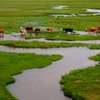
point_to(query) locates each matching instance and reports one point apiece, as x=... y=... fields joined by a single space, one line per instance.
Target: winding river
x=43 y=84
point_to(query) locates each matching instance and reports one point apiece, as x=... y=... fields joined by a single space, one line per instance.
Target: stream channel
x=43 y=84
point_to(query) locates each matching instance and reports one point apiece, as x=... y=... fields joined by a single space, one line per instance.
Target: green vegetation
x=62 y=36
x=37 y=44
x=18 y=13
x=15 y=63
x=96 y=58
x=27 y=7
x=77 y=23
x=83 y=84
x=14 y=24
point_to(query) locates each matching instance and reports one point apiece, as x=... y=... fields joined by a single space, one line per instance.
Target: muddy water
x=43 y=84
x=10 y=37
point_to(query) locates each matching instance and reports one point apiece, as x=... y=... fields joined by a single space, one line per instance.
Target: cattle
x=1 y=32
x=91 y=29
x=98 y=27
x=50 y=29
x=28 y=28
x=23 y=31
x=68 y=30
x=37 y=30
x=97 y=32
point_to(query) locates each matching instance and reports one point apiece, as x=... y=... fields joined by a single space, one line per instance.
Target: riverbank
x=83 y=84
x=15 y=63
x=32 y=78
x=41 y=45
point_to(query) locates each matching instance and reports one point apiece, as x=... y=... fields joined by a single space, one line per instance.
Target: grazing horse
x=50 y=29
x=68 y=30
x=1 y=32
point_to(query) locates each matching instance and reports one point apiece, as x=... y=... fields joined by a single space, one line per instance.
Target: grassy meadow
x=20 y=13
x=37 y=44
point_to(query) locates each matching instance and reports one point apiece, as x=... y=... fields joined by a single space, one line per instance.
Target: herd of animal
x=30 y=29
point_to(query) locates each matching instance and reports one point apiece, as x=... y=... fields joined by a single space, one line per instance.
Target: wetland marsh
x=43 y=83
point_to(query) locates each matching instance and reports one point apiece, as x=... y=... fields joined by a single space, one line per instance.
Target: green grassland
x=15 y=13
x=15 y=63
x=13 y=24
x=83 y=84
